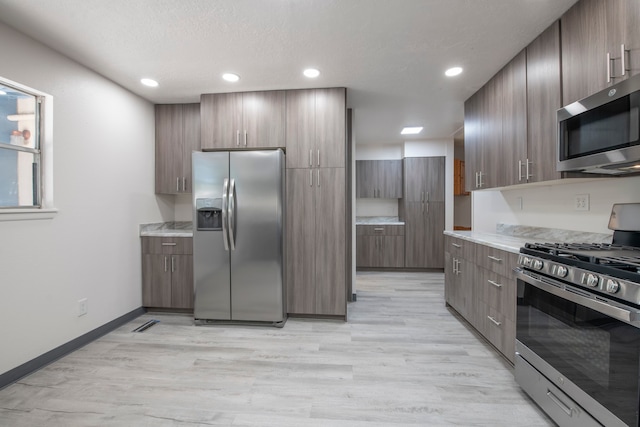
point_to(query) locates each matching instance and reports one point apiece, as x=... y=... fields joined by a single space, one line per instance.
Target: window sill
x=27 y=214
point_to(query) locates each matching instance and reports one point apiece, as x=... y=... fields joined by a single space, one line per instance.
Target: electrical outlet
x=582 y=202
x=83 y=306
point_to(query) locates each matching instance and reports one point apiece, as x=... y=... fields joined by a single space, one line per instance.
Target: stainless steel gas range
x=578 y=326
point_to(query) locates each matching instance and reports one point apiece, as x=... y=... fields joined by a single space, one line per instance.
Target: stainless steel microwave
x=601 y=133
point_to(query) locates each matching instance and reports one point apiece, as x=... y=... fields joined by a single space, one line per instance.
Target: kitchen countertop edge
x=498 y=241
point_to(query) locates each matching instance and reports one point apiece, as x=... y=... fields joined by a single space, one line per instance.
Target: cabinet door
x=300 y=128
x=221 y=120
x=434 y=237
x=300 y=224
x=365 y=251
x=492 y=170
x=168 y=148
x=424 y=179
x=472 y=129
x=450 y=264
x=584 y=64
x=263 y=117
x=631 y=14
x=390 y=251
x=389 y=179
x=543 y=100
x=514 y=122
x=331 y=135
x=367 y=179
x=191 y=141
x=330 y=266
x=182 y=281
x=415 y=235
x=156 y=280
x=623 y=27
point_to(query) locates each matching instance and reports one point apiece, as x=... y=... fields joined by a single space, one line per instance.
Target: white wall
x=434 y=148
x=103 y=149
x=553 y=205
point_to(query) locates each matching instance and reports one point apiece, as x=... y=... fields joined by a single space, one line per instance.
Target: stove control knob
x=592 y=280
x=612 y=286
x=562 y=271
x=537 y=264
x=526 y=261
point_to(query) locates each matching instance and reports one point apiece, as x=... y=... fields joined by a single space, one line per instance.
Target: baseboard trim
x=51 y=356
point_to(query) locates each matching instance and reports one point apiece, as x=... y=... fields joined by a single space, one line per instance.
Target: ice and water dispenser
x=209 y=214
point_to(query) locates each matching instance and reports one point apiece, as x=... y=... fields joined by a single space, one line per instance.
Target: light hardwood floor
x=402 y=359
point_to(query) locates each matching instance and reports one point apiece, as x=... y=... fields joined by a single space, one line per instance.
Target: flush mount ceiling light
x=149 y=82
x=230 y=77
x=312 y=73
x=2 y=92
x=411 y=130
x=453 y=71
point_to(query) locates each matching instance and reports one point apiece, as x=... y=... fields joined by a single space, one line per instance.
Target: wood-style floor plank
x=403 y=359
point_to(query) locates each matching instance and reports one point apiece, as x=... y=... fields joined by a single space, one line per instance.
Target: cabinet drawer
x=379 y=230
x=459 y=248
x=167 y=245
x=496 y=260
x=499 y=292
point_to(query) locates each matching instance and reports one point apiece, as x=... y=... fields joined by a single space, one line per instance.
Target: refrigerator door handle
x=232 y=208
x=225 y=202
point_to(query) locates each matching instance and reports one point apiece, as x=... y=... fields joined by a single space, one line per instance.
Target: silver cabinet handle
x=165 y=264
x=494 y=258
x=558 y=402
x=318 y=183
x=477 y=180
x=623 y=60
x=480 y=175
x=422 y=196
x=494 y=321
x=519 y=170
x=310 y=158
x=245 y=137
x=422 y=207
x=225 y=202
x=497 y=285
x=455 y=245
x=453 y=265
x=608 y=67
x=427 y=207
x=232 y=208
x=458 y=266
x=427 y=200
x=318 y=157
x=237 y=136
x=177 y=183
x=528 y=174
x=310 y=177
x=168 y=244
x=184 y=183
x=173 y=267
x=378 y=229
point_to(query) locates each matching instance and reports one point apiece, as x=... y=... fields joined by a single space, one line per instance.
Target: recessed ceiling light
x=411 y=130
x=149 y=82
x=312 y=73
x=2 y=92
x=230 y=77
x=453 y=71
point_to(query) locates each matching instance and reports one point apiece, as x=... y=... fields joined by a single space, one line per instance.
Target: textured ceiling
x=390 y=54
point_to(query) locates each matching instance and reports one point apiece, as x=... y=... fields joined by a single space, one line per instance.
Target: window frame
x=44 y=153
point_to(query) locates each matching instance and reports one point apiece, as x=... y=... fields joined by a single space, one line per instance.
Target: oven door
x=585 y=345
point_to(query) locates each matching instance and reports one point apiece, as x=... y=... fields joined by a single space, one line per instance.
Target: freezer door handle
x=225 y=202
x=232 y=208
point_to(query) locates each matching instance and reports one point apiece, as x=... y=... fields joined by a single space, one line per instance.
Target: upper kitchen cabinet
x=424 y=179
x=380 y=179
x=243 y=120
x=514 y=122
x=177 y=135
x=543 y=100
x=315 y=128
x=472 y=129
x=600 y=46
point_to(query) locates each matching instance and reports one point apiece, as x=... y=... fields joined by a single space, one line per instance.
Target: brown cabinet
x=380 y=179
x=243 y=120
x=472 y=130
x=459 y=178
x=422 y=210
x=511 y=155
x=593 y=35
x=380 y=246
x=316 y=247
x=481 y=286
x=177 y=135
x=315 y=128
x=167 y=272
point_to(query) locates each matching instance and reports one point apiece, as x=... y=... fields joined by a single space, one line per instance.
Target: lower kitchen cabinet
x=167 y=272
x=424 y=241
x=481 y=286
x=380 y=246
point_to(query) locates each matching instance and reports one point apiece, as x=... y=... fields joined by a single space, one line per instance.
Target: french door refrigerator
x=238 y=241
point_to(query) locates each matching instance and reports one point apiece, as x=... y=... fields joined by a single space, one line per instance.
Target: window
x=22 y=113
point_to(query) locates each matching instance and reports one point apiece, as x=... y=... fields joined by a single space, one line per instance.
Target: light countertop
x=167 y=229
x=378 y=220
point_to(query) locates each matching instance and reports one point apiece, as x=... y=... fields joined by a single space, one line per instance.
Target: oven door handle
x=584 y=298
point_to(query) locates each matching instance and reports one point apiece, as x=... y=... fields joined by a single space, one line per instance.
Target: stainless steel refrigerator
x=238 y=240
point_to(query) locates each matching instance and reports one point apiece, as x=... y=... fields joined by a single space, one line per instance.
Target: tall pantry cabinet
x=316 y=202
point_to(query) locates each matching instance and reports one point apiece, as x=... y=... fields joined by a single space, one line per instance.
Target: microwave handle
x=565 y=291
